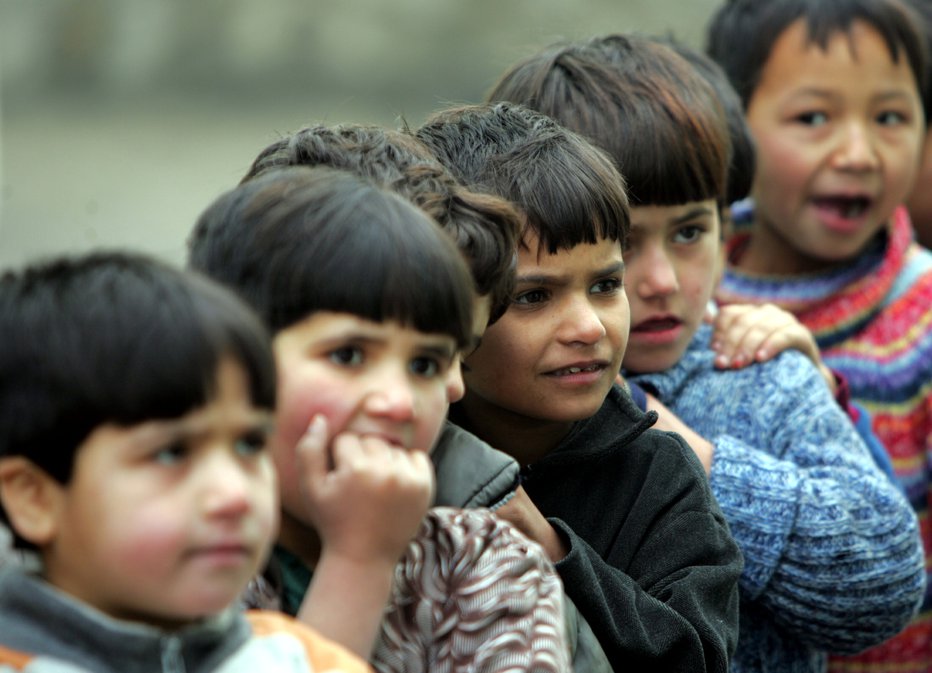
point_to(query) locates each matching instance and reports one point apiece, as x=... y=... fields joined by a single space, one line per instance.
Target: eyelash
x=614 y=284
x=249 y=444
x=696 y=230
x=353 y=356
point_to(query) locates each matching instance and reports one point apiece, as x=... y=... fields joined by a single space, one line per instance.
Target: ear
x=30 y=498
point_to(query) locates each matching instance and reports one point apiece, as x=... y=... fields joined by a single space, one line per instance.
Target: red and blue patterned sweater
x=872 y=319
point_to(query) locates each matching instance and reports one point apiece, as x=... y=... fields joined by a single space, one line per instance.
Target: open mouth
x=568 y=371
x=843 y=206
x=657 y=325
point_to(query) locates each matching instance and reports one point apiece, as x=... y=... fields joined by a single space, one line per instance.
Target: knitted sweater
x=872 y=319
x=832 y=555
x=43 y=630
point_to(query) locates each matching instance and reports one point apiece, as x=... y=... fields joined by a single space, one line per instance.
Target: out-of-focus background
x=120 y=120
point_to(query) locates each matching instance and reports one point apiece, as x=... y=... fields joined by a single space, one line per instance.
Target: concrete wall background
x=120 y=120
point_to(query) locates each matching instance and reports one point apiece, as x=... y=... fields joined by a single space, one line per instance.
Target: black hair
x=569 y=191
x=743 y=148
x=638 y=100
x=299 y=240
x=484 y=227
x=742 y=33
x=114 y=337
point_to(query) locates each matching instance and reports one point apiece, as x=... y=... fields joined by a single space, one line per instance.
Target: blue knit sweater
x=832 y=556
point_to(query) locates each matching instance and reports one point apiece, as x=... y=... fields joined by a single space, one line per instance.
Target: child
x=369 y=303
x=833 y=96
x=823 y=532
x=646 y=555
x=135 y=401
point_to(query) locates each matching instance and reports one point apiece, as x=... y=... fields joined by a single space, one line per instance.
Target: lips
x=664 y=324
x=846 y=207
x=577 y=369
x=223 y=555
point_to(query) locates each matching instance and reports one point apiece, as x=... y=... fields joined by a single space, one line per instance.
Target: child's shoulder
x=631 y=437
x=470 y=473
x=281 y=643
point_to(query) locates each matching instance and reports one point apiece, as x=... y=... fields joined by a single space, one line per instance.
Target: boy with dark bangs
x=641 y=546
x=135 y=403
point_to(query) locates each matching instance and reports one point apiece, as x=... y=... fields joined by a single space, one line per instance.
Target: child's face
x=365 y=377
x=838 y=136
x=166 y=521
x=554 y=354
x=671 y=269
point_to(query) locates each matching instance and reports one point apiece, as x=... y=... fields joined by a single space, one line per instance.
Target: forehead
x=535 y=261
x=653 y=216
x=331 y=326
x=854 y=57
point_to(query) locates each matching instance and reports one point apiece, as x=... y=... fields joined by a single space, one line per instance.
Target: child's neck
x=525 y=439
x=768 y=253
x=299 y=539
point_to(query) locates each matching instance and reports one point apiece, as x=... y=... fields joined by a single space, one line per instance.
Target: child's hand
x=365 y=497
x=523 y=514
x=746 y=333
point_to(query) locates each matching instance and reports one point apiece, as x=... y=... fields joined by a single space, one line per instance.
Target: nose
x=655 y=275
x=855 y=151
x=226 y=485
x=581 y=323
x=391 y=394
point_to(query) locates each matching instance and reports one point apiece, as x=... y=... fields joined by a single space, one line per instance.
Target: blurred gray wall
x=120 y=120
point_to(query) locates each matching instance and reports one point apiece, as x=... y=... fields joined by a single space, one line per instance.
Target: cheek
x=145 y=536
x=698 y=281
x=433 y=408
x=618 y=323
x=780 y=163
x=303 y=396
x=905 y=172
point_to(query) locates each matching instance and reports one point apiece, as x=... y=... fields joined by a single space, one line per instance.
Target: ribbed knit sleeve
x=831 y=546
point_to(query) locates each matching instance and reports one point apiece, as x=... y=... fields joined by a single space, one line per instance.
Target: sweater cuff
x=759 y=496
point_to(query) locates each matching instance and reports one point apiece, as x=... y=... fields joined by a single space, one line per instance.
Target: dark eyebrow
x=542 y=279
x=441 y=352
x=611 y=269
x=693 y=214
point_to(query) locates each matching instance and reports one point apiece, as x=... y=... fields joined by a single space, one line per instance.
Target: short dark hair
x=638 y=100
x=569 y=191
x=741 y=34
x=484 y=227
x=114 y=337
x=743 y=148
x=299 y=240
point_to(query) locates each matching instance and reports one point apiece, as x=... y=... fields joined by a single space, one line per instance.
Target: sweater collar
x=699 y=357
x=835 y=303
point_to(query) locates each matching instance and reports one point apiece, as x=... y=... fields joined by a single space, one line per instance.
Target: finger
x=312 y=451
